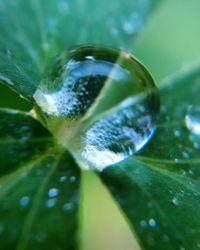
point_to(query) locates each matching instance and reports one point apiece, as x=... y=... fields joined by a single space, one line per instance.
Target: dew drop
x=196 y=145
x=186 y=155
x=177 y=160
x=143 y=223
x=68 y=207
x=152 y=223
x=53 y=192
x=63 y=178
x=192 y=119
x=72 y=179
x=175 y=201
x=51 y=202
x=100 y=103
x=24 y=201
x=177 y=133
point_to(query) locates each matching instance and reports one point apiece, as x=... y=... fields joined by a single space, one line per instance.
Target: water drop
x=72 y=179
x=177 y=133
x=100 y=103
x=24 y=201
x=186 y=155
x=68 y=207
x=53 y=192
x=143 y=223
x=177 y=160
x=152 y=223
x=196 y=145
x=175 y=201
x=51 y=202
x=192 y=119
x=63 y=178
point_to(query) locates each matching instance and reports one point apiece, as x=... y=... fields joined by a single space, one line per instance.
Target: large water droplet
x=192 y=119
x=100 y=103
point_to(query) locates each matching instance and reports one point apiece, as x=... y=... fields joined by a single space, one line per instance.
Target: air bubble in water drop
x=100 y=103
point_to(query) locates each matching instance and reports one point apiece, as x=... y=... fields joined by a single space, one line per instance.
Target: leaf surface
x=159 y=188
x=39 y=187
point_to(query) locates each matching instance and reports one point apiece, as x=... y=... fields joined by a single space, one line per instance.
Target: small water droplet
x=51 y=202
x=152 y=223
x=177 y=133
x=186 y=155
x=192 y=119
x=182 y=172
x=24 y=201
x=196 y=145
x=53 y=192
x=63 y=178
x=100 y=103
x=175 y=201
x=72 y=179
x=143 y=223
x=68 y=207
x=177 y=160
x=128 y=27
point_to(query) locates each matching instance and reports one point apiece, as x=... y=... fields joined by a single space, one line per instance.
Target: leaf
x=39 y=188
x=159 y=189
x=34 y=31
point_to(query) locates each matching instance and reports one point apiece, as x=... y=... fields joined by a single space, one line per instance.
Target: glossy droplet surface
x=192 y=119
x=100 y=103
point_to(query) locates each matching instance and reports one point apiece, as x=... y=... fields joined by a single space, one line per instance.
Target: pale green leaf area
x=33 y=32
x=159 y=188
x=39 y=188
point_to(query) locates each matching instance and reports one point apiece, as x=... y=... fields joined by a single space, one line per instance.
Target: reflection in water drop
x=100 y=103
x=192 y=119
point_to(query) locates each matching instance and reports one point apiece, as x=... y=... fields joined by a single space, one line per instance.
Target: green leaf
x=39 y=188
x=34 y=31
x=159 y=189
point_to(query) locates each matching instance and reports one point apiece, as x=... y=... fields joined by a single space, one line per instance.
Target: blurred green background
x=170 y=42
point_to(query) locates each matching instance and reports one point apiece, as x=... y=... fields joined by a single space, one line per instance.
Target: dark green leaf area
x=39 y=204
x=159 y=189
x=21 y=139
